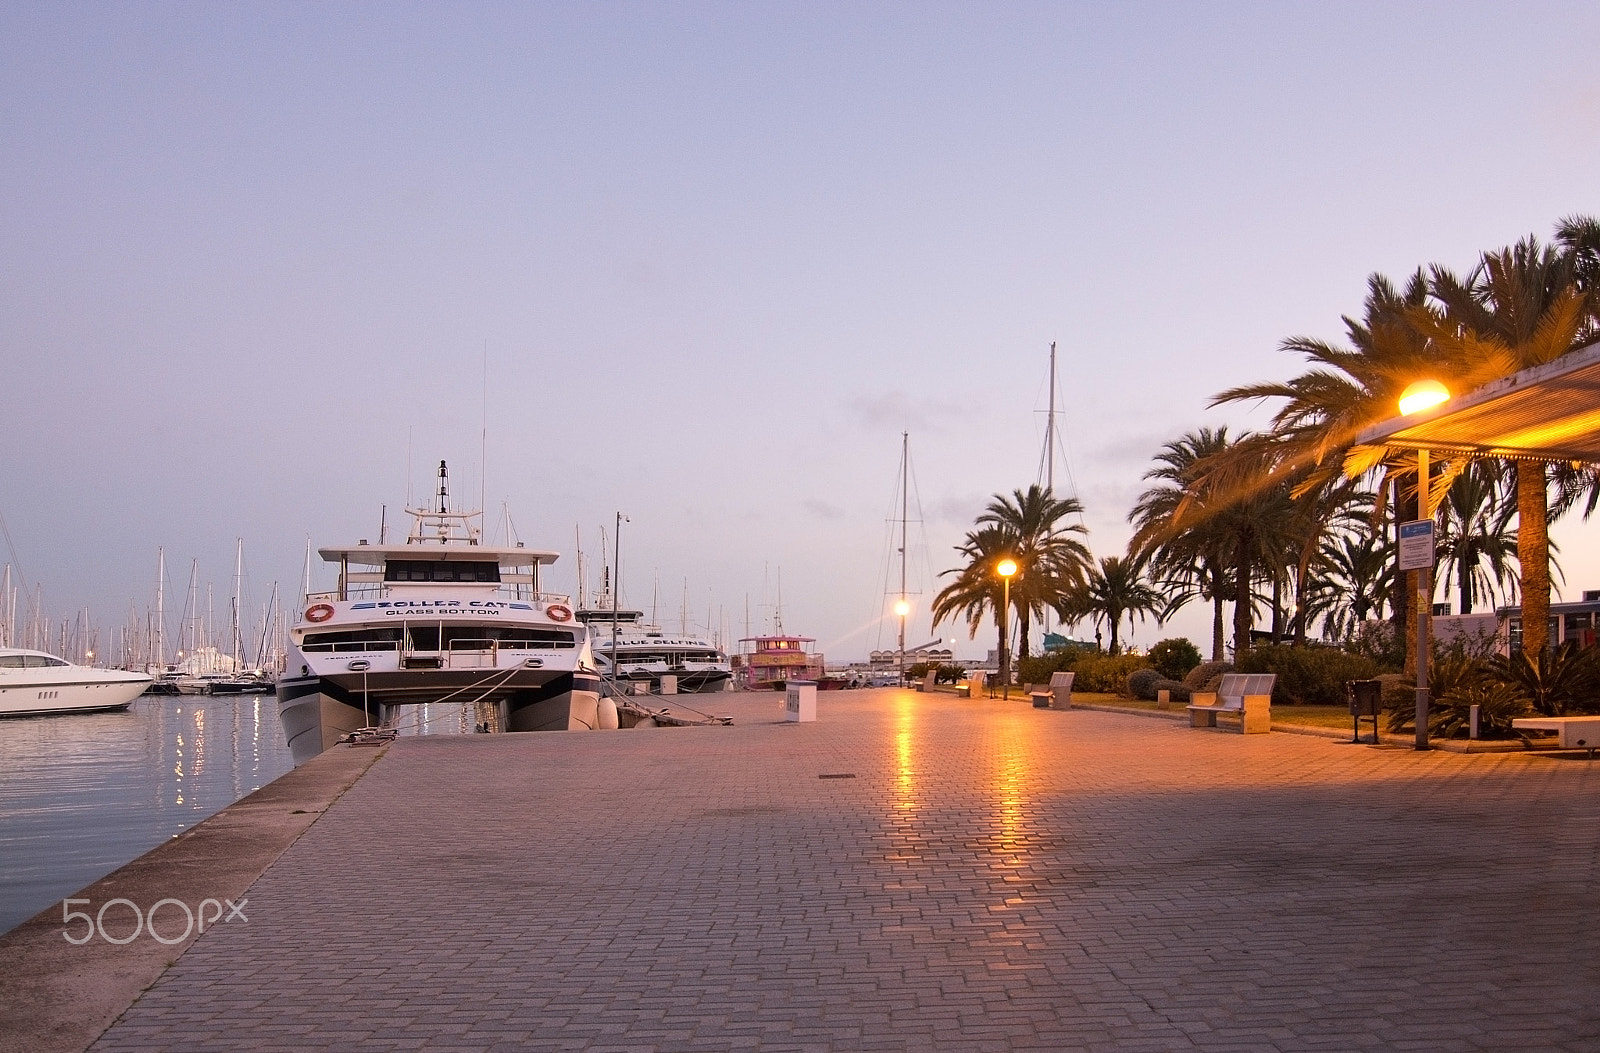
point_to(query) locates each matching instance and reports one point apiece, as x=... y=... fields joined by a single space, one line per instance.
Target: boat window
x=39 y=661
x=441 y=570
x=10 y=661
x=370 y=639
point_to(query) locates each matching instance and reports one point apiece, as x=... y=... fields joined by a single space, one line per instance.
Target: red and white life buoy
x=319 y=612
x=558 y=612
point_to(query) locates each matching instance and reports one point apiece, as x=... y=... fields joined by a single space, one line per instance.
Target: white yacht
x=33 y=683
x=441 y=618
x=645 y=653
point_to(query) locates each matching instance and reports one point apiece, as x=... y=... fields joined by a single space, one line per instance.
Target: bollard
x=1163 y=698
x=1473 y=718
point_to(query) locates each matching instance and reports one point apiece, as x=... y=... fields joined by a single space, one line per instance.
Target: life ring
x=319 y=612
x=557 y=612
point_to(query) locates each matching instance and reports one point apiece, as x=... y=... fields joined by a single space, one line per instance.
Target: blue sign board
x=1416 y=544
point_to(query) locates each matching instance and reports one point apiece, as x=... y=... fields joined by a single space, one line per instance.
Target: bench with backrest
x=1247 y=694
x=1061 y=690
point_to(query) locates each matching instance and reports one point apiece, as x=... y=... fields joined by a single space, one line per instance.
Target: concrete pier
x=912 y=871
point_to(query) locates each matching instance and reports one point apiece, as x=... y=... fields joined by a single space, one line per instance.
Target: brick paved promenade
x=994 y=877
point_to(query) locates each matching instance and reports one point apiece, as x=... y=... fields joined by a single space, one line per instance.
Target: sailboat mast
x=238 y=588
x=161 y=609
x=1050 y=451
x=1050 y=427
x=902 y=608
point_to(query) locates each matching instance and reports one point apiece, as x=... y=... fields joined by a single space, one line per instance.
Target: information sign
x=1416 y=544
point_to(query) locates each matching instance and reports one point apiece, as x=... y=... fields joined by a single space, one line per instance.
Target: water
x=82 y=794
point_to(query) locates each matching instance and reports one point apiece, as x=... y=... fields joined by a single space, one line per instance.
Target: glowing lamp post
x=902 y=608
x=1423 y=395
x=1005 y=568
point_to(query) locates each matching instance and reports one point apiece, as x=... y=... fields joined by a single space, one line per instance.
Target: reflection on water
x=82 y=794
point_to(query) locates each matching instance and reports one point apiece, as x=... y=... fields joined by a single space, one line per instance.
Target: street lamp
x=902 y=608
x=1420 y=396
x=1005 y=568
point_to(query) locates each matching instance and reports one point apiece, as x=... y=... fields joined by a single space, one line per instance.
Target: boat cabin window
x=30 y=661
x=452 y=570
x=371 y=639
x=483 y=637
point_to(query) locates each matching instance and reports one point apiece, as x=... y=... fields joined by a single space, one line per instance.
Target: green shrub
x=948 y=674
x=1141 y=684
x=1312 y=676
x=1556 y=682
x=1177 y=691
x=1498 y=705
x=1175 y=657
x=1104 y=672
x=1036 y=669
x=1200 y=677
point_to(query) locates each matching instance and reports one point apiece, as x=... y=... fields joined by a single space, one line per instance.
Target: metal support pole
x=1424 y=607
x=1005 y=642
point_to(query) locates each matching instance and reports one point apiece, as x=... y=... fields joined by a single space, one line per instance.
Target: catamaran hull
x=317 y=711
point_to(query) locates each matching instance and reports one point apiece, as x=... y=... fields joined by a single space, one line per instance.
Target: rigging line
x=16 y=562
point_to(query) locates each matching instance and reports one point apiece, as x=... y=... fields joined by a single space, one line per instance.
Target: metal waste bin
x=1366 y=700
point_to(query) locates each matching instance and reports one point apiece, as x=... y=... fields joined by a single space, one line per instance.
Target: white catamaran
x=441 y=618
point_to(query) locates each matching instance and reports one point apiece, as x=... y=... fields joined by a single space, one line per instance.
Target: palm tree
x=1239 y=493
x=1115 y=589
x=1522 y=306
x=1476 y=541
x=977 y=589
x=1193 y=564
x=1050 y=558
x=1358 y=568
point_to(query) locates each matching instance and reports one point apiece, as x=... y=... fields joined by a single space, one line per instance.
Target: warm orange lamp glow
x=1424 y=394
x=1006 y=568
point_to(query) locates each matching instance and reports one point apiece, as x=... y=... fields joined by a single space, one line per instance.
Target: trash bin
x=1366 y=701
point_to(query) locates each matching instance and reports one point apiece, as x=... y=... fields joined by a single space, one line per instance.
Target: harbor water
x=82 y=794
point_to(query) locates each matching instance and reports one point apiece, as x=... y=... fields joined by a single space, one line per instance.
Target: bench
x=1247 y=694
x=1575 y=733
x=1061 y=690
x=927 y=682
x=1040 y=696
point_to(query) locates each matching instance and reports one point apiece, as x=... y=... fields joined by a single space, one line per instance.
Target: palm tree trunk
x=1533 y=556
x=1464 y=583
x=1000 y=648
x=1023 y=627
x=1241 y=600
x=1218 y=635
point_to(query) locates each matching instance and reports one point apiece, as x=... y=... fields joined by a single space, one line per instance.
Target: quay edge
x=60 y=998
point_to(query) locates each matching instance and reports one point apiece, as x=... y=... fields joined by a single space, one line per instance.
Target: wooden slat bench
x=1247 y=694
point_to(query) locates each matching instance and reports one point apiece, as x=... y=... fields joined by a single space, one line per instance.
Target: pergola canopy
x=1548 y=413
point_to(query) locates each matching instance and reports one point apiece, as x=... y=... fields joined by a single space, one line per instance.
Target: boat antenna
x=383 y=524
x=444 y=488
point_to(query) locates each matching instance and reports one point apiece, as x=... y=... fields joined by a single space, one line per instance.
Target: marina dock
x=913 y=871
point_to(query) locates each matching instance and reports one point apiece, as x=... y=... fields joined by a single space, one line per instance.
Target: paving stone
x=994 y=877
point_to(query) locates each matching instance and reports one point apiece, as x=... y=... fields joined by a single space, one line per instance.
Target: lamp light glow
x=902 y=608
x=1424 y=394
x=1006 y=568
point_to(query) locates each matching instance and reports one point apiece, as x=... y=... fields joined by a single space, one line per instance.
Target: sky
x=263 y=265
